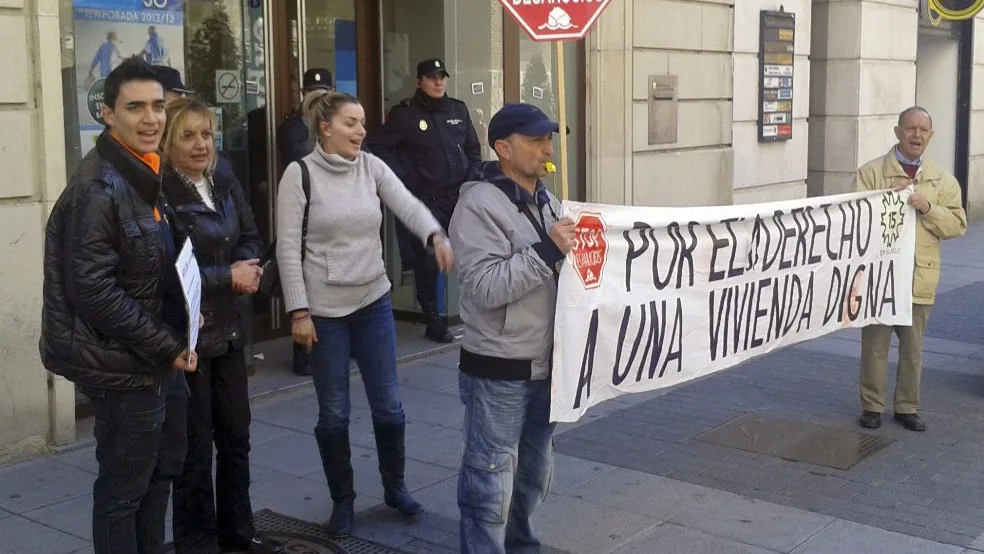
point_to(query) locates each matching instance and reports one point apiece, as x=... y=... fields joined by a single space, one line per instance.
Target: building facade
x=663 y=99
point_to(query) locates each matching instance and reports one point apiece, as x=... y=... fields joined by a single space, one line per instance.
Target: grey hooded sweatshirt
x=506 y=277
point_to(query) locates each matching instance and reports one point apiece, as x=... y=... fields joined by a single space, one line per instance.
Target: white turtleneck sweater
x=343 y=267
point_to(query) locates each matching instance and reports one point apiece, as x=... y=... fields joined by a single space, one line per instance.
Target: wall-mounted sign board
x=777 y=31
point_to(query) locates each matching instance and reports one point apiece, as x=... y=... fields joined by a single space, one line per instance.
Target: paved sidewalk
x=632 y=477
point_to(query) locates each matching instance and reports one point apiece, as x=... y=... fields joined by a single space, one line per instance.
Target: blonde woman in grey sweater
x=338 y=297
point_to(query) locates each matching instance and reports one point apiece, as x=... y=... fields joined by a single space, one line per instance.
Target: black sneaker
x=911 y=422
x=870 y=420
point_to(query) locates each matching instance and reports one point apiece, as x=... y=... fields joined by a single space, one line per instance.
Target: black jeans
x=218 y=412
x=140 y=447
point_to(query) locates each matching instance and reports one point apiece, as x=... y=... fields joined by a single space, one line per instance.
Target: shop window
x=202 y=39
x=537 y=66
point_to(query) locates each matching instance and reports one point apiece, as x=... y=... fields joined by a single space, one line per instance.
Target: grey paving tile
x=297 y=411
x=440 y=498
x=890 y=522
x=579 y=526
x=296 y=455
x=441 y=448
x=24 y=536
x=82 y=458
x=72 y=516
x=303 y=499
x=37 y=483
x=845 y=537
x=433 y=407
x=260 y=432
x=752 y=521
x=418 y=475
x=262 y=476
x=674 y=539
x=426 y=375
x=978 y=542
x=570 y=471
x=642 y=494
x=951 y=347
x=384 y=525
x=86 y=550
x=417 y=546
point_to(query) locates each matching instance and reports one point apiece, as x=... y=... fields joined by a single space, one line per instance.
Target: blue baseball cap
x=525 y=119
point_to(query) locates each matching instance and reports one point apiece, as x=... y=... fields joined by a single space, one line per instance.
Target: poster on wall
x=107 y=32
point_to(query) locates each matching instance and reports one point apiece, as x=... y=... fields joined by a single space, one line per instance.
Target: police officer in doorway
x=430 y=143
x=293 y=144
x=292 y=135
x=170 y=79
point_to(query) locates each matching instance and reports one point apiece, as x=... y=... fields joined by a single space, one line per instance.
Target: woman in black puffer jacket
x=207 y=204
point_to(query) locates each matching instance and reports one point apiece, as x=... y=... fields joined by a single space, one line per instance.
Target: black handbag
x=270 y=281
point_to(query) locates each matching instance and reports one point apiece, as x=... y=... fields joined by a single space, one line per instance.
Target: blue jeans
x=140 y=447
x=507 y=465
x=369 y=336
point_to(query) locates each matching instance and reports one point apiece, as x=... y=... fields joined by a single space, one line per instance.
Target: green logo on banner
x=94 y=100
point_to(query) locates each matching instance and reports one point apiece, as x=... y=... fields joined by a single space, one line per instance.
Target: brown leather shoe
x=911 y=422
x=870 y=420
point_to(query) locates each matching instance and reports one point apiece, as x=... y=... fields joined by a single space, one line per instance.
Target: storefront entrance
x=246 y=58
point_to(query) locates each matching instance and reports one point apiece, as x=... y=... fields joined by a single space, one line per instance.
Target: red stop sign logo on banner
x=547 y=21
x=590 y=249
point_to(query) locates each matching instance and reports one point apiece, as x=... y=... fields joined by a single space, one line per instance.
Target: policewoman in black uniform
x=430 y=143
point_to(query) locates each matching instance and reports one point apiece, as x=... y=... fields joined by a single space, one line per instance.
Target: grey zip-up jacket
x=506 y=279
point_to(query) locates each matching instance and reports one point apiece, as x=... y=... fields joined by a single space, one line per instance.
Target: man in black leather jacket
x=430 y=143
x=113 y=317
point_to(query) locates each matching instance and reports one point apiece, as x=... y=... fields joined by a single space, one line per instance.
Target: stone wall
x=32 y=155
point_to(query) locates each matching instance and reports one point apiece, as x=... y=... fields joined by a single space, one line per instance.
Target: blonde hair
x=321 y=106
x=177 y=116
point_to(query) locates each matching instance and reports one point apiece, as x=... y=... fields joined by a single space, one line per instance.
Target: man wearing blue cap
x=509 y=239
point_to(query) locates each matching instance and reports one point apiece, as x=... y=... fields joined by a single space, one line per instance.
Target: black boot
x=336 y=457
x=437 y=328
x=392 y=460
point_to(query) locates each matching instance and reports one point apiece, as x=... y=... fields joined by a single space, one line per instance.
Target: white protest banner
x=191 y=285
x=653 y=297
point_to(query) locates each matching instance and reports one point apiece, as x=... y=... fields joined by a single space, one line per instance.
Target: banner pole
x=562 y=117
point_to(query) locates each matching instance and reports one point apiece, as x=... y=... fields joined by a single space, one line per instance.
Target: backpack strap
x=540 y=225
x=306 y=187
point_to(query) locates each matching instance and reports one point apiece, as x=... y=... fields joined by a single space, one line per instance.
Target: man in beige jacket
x=937 y=201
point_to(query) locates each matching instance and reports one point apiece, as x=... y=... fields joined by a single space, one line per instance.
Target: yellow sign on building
x=953 y=10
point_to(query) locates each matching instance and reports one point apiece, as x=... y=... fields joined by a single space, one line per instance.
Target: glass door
x=410 y=32
x=328 y=40
x=467 y=35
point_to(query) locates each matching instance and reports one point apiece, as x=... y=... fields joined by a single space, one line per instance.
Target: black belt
x=490 y=367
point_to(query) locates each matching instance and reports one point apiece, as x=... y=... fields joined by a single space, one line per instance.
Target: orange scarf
x=151 y=159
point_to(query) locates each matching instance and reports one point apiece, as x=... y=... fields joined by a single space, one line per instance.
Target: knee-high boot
x=392 y=461
x=336 y=457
